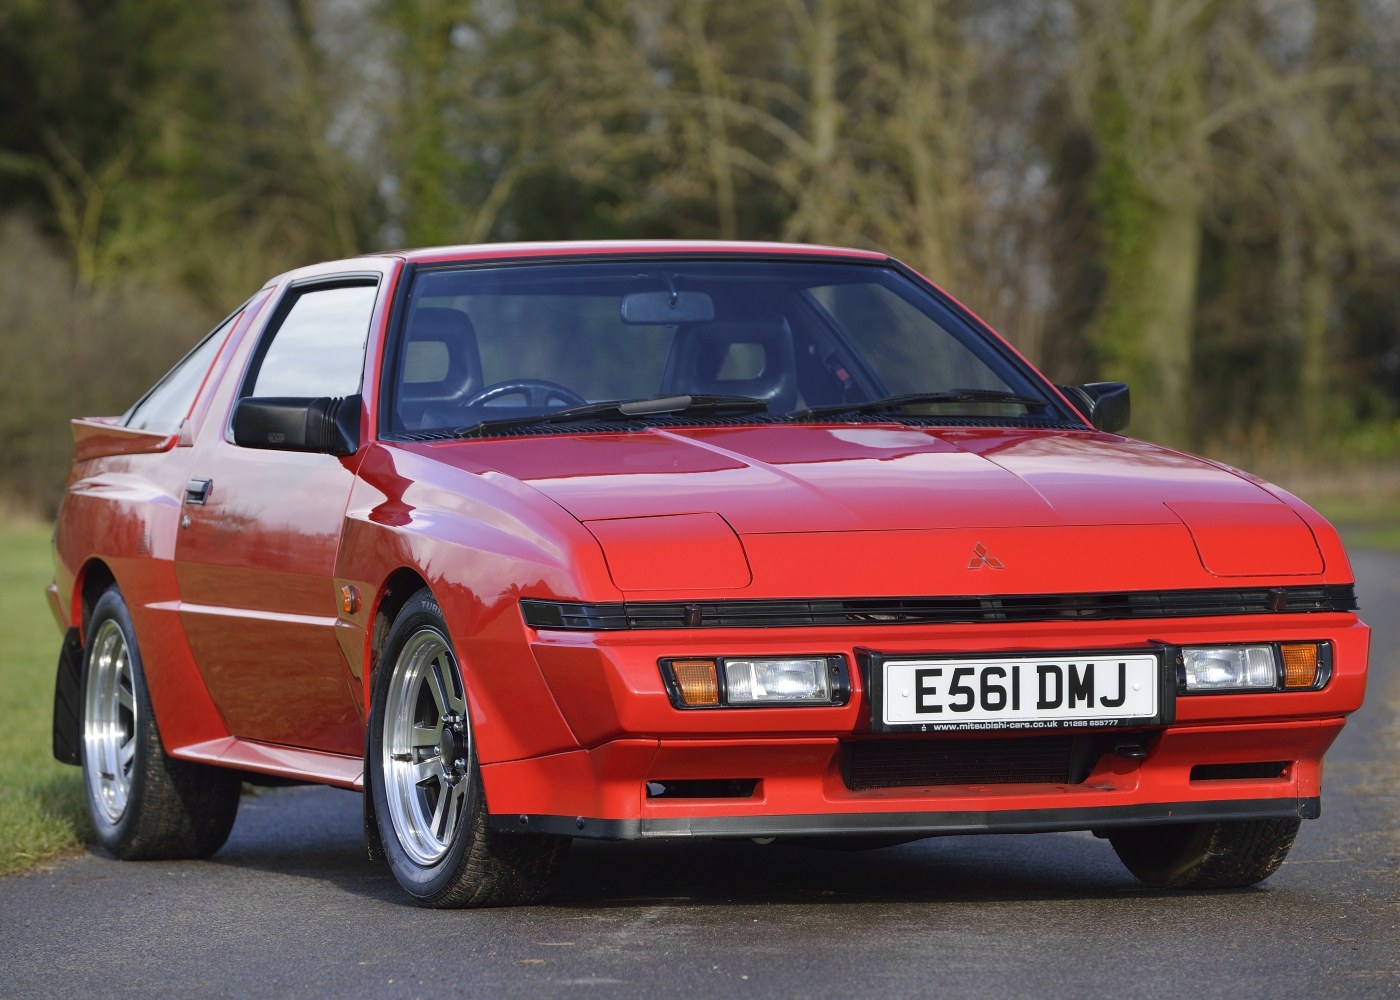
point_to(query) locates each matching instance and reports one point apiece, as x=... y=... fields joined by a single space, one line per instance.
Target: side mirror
x=1106 y=404
x=327 y=426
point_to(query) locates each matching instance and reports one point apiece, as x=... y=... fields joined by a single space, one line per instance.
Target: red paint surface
x=252 y=664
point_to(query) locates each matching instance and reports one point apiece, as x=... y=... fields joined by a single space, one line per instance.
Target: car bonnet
x=762 y=495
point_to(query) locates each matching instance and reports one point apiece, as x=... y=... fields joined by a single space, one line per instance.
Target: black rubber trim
x=619 y=616
x=912 y=824
x=677 y=421
x=67 y=700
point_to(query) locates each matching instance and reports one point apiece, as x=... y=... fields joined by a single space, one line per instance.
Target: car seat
x=748 y=358
x=439 y=368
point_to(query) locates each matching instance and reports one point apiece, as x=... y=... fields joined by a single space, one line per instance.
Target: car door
x=256 y=551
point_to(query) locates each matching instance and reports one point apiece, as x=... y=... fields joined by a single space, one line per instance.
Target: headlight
x=1230 y=668
x=750 y=682
x=1260 y=667
x=756 y=681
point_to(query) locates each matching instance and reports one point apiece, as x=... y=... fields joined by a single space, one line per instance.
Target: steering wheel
x=537 y=392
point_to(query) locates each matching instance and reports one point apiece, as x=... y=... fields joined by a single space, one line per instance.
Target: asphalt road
x=291 y=908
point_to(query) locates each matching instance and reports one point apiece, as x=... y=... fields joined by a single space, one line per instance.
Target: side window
x=168 y=402
x=318 y=347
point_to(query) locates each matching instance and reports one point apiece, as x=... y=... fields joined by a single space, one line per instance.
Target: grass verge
x=42 y=812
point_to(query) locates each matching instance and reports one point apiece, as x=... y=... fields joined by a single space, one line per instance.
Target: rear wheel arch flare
x=143 y=803
x=94 y=579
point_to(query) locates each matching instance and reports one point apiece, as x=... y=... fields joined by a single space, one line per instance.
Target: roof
x=580 y=248
x=605 y=247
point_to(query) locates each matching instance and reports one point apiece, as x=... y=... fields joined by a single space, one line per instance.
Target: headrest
x=441 y=360
x=742 y=358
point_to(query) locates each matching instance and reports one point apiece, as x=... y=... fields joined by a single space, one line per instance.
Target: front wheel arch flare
x=427 y=804
x=401 y=587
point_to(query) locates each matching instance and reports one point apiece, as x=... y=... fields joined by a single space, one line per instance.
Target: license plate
x=1096 y=690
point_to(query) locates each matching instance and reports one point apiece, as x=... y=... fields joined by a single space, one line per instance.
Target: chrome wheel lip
x=425 y=713
x=109 y=723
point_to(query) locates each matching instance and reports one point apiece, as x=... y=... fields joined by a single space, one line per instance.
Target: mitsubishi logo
x=981 y=558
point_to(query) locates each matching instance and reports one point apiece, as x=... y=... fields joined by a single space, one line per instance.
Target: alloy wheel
x=426 y=747
x=109 y=723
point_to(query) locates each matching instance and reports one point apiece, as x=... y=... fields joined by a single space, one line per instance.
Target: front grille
x=938 y=610
x=917 y=763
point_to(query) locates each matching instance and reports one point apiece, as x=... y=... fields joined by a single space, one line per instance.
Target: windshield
x=490 y=349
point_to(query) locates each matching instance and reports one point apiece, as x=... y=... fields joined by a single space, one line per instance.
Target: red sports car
x=669 y=540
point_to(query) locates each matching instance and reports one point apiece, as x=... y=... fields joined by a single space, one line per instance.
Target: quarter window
x=168 y=402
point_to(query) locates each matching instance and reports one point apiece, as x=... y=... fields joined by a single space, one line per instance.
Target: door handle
x=197 y=491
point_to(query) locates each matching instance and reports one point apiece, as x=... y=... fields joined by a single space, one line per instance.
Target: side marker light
x=1302 y=665
x=698 y=681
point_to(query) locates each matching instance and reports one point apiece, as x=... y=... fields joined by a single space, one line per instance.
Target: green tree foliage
x=66 y=352
x=1145 y=62
x=1197 y=195
x=176 y=142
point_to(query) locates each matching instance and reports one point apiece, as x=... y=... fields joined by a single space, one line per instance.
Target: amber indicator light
x=1300 y=664
x=698 y=681
x=349 y=599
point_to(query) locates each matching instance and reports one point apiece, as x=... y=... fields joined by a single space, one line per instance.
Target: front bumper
x=800 y=787
x=787 y=771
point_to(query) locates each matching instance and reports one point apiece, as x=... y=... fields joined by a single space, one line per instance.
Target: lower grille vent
x=1234 y=772
x=912 y=763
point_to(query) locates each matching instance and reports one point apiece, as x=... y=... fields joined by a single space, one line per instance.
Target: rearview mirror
x=328 y=426
x=667 y=308
x=1106 y=404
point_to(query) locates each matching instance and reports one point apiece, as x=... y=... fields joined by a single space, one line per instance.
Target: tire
x=144 y=804
x=1224 y=855
x=425 y=780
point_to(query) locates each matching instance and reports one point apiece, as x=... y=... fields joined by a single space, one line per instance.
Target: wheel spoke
x=425 y=737
x=126 y=699
x=454 y=799
x=444 y=692
x=127 y=752
x=440 y=811
x=110 y=762
x=426 y=771
x=439 y=688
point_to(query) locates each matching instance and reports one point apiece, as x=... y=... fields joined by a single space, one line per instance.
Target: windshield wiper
x=625 y=409
x=915 y=398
